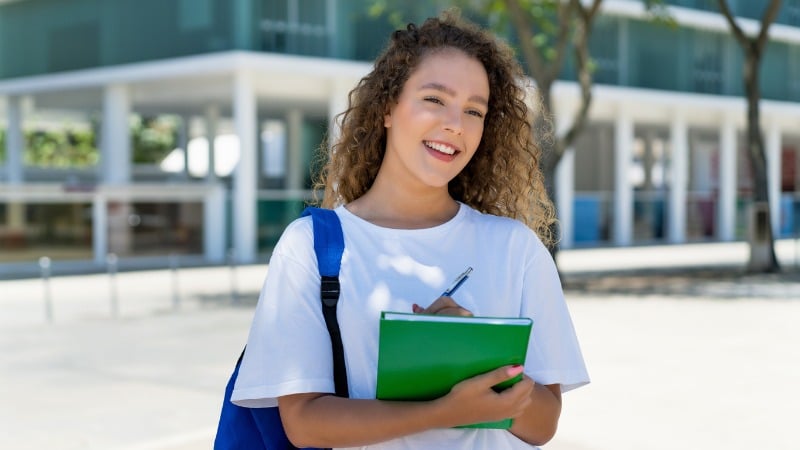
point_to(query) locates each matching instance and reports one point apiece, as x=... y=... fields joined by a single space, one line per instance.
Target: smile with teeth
x=442 y=148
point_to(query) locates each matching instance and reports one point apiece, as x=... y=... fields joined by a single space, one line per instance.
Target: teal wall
x=681 y=59
x=789 y=13
x=46 y=36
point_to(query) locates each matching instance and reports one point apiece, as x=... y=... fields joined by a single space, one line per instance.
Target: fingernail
x=514 y=370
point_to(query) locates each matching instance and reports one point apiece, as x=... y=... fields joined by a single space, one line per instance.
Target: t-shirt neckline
x=443 y=227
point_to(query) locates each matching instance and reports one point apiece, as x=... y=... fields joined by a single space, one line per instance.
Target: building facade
x=248 y=89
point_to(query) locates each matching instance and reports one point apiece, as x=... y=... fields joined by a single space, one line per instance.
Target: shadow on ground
x=245 y=299
x=714 y=283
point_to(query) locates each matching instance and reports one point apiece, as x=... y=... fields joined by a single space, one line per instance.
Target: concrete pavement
x=139 y=360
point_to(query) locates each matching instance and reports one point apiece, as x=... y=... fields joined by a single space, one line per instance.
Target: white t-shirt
x=289 y=351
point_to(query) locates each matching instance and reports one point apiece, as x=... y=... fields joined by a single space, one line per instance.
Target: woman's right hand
x=444 y=306
x=474 y=401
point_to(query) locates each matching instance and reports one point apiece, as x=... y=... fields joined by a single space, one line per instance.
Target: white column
x=115 y=139
x=295 y=170
x=211 y=121
x=337 y=104
x=183 y=142
x=726 y=210
x=623 y=189
x=679 y=176
x=15 y=141
x=244 y=182
x=100 y=228
x=774 y=175
x=214 y=224
x=565 y=197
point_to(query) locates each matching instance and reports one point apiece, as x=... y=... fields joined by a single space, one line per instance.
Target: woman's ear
x=387 y=119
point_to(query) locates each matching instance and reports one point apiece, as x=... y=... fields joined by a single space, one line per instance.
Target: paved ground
x=684 y=350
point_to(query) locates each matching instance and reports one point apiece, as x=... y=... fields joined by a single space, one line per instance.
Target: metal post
x=111 y=263
x=234 y=288
x=176 y=294
x=44 y=265
x=797 y=246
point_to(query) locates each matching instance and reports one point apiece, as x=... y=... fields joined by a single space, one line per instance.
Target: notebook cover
x=422 y=356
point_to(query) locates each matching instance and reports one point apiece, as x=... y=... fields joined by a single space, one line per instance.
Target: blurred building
x=251 y=87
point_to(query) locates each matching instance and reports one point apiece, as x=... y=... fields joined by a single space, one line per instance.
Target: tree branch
x=766 y=20
x=735 y=28
x=527 y=47
x=564 y=26
x=585 y=77
x=587 y=15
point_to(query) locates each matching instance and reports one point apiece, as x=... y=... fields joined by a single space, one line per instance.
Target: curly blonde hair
x=503 y=178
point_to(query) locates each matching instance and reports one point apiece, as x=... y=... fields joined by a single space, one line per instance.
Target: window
x=707 y=63
x=792 y=12
x=73 y=47
x=794 y=73
x=605 y=49
x=195 y=14
x=297 y=26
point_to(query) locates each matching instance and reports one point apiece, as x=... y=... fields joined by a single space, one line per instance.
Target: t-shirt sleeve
x=554 y=354
x=288 y=349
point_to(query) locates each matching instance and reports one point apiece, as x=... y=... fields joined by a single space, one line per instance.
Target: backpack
x=261 y=428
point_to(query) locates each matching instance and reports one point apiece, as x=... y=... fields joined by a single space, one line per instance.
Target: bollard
x=797 y=246
x=44 y=266
x=111 y=264
x=176 y=293
x=234 y=288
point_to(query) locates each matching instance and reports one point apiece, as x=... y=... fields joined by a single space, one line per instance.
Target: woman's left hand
x=444 y=306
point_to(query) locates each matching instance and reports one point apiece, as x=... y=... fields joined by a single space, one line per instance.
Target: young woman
x=435 y=170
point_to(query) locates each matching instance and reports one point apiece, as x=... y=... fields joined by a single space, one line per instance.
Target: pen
x=457 y=283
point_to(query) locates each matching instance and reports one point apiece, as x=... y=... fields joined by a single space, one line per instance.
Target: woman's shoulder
x=297 y=238
x=499 y=224
x=514 y=233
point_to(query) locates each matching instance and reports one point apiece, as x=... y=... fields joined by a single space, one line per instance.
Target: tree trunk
x=761 y=239
x=762 y=242
x=550 y=155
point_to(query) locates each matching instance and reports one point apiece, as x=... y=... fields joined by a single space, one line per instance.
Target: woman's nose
x=453 y=121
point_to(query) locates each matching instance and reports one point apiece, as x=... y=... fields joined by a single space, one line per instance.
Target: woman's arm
x=323 y=420
x=538 y=423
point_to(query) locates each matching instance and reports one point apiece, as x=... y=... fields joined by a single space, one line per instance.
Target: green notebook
x=421 y=357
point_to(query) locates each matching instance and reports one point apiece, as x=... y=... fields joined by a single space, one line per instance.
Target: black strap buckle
x=329 y=290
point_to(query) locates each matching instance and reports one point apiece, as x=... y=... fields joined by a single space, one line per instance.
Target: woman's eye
x=434 y=100
x=475 y=113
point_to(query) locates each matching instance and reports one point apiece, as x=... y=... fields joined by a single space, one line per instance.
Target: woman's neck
x=404 y=208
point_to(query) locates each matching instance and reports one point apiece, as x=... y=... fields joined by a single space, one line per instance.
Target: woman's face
x=436 y=125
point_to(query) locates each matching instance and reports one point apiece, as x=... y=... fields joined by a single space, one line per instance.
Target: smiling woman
x=437 y=119
x=436 y=166
x=502 y=177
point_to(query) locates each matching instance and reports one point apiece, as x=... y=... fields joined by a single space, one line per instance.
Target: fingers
x=476 y=399
x=443 y=306
x=519 y=395
x=498 y=375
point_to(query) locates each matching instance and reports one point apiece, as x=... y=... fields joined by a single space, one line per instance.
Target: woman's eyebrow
x=442 y=88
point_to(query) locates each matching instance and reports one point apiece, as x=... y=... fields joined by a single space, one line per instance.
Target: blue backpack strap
x=243 y=428
x=328 y=240
x=329 y=246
